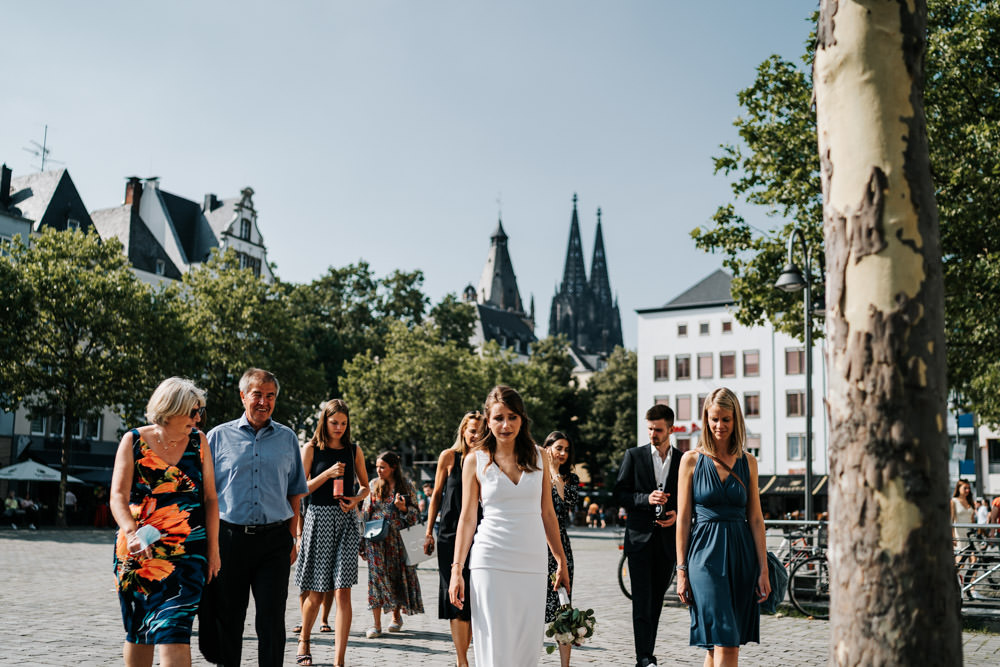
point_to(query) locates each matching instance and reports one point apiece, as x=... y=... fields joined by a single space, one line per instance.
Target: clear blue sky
x=387 y=130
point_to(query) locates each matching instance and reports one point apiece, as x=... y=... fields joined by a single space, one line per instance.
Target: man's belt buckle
x=251 y=530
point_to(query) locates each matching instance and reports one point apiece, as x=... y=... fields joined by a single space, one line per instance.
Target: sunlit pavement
x=58 y=607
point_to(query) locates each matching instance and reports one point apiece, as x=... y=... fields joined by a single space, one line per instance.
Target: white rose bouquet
x=571 y=626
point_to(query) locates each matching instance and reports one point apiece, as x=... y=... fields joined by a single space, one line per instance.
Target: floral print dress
x=159 y=595
x=565 y=508
x=391 y=582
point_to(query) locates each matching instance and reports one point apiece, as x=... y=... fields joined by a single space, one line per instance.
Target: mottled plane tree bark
x=895 y=600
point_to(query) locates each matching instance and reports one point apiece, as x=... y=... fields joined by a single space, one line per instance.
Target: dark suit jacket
x=636 y=481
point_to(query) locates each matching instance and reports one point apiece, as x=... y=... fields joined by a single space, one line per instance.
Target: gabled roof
x=497 y=323
x=32 y=194
x=713 y=290
x=141 y=246
x=498 y=283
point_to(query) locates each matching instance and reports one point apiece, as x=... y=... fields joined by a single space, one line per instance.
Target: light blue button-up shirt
x=256 y=471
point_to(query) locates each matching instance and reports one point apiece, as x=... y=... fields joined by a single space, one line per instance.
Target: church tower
x=582 y=309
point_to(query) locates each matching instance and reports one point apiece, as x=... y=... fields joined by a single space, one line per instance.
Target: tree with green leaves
x=775 y=166
x=610 y=426
x=236 y=320
x=86 y=348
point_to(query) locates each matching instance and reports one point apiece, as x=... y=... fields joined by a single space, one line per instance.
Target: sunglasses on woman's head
x=197 y=413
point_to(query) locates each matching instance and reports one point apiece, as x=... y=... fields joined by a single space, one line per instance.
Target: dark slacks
x=256 y=562
x=650 y=569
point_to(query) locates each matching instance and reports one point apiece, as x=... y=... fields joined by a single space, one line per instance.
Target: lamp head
x=790 y=279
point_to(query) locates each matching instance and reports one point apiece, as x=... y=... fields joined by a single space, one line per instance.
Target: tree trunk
x=895 y=600
x=64 y=468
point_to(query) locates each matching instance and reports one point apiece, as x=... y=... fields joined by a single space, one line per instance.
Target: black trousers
x=256 y=562
x=650 y=569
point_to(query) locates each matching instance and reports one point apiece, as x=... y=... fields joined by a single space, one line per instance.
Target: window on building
x=753 y=444
x=5 y=243
x=662 y=400
x=661 y=368
x=704 y=365
x=796 y=446
x=703 y=329
x=683 y=444
x=245 y=229
x=56 y=425
x=751 y=363
x=751 y=404
x=727 y=364
x=250 y=262
x=72 y=224
x=161 y=267
x=91 y=428
x=795 y=401
x=795 y=361
x=38 y=426
x=993 y=454
x=683 y=363
x=683 y=413
x=682 y=330
x=701 y=405
x=727 y=326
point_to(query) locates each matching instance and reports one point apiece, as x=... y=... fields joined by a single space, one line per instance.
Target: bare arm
x=440 y=477
x=211 y=507
x=551 y=523
x=685 y=509
x=466 y=529
x=348 y=503
x=121 y=489
x=755 y=517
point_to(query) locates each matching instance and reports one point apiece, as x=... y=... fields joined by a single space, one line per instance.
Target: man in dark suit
x=647 y=479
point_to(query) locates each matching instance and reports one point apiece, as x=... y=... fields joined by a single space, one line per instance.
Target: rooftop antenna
x=41 y=150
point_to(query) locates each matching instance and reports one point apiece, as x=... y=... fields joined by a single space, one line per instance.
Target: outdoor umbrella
x=34 y=472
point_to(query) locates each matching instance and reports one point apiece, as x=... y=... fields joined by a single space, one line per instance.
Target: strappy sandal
x=304 y=658
x=297 y=629
x=325 y=628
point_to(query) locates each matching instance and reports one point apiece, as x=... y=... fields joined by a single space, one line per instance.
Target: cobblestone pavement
x=58 y=607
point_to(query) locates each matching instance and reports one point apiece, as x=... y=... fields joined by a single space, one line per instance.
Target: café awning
x=34 y=472
x=791 y=485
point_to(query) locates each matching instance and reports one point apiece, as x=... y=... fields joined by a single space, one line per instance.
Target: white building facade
x=693 y=344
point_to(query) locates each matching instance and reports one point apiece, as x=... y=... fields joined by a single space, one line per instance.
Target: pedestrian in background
x=647 y=488
x=329 y=536
x=508 y=474
x=260 y=480
x=446 y=498
x=164 y=482
x=392 y=584
x=565 y=495
x=722 y=570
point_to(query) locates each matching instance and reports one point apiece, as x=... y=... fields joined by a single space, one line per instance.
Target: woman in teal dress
x=163 y=478
x=721 y=554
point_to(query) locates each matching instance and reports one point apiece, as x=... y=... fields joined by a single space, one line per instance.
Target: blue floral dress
x=159 y=595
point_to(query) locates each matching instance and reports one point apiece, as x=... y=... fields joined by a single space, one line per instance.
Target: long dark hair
x=399 y=481
x=332 y=407
x=554 y=437
x=957 y=494
x=524 y=445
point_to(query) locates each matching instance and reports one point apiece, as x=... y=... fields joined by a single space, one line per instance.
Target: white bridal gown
x=509 y=566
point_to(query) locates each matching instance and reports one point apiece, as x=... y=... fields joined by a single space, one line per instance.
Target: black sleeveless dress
x=451 y=509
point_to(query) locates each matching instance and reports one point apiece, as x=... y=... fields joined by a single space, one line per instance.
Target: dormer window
x=72 y=224
x=161 y=267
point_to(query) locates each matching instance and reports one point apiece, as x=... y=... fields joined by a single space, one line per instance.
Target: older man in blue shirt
x=259 y=481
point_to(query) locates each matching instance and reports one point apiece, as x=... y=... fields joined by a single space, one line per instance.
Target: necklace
x=160 y=441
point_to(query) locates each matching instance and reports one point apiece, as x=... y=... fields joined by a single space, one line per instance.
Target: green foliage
x=776 y=167
x=610 y=427
x=16 y=317
x=236 y=320
x=456 y=320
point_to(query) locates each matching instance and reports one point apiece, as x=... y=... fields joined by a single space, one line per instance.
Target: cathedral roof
x=498 y=283
x=600 y=286
x=574 y=282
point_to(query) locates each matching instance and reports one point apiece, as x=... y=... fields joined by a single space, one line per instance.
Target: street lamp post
x=791 y=280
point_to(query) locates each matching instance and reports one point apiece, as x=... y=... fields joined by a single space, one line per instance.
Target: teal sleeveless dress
x=722 y=560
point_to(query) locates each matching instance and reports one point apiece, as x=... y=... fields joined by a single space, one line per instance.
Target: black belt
x=258 y=529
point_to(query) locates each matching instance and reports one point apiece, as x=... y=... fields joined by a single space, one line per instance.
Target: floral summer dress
x=565 y=511
x=159 y=596
x=391 y=582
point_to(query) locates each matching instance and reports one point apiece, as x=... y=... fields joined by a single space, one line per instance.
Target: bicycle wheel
x=624 y=581
x=809 y=587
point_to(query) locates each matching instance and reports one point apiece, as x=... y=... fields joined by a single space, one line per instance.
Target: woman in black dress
x=447 y=498
x=565 y=497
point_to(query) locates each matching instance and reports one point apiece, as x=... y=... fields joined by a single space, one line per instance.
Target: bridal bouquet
x=571 y=626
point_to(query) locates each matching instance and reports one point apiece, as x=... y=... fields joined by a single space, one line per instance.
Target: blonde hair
x=461 y=445
x=174 y=396
x=727 y=400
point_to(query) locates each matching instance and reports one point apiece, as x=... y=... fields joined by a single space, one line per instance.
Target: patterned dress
x=565 y=510
x=159 y=596
x=391 y=582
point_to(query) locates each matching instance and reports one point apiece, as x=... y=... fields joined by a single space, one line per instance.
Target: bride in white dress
x=509 y=473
